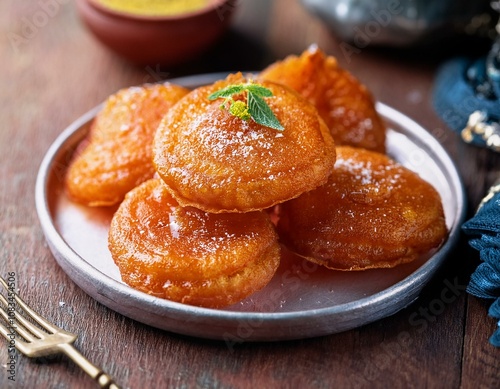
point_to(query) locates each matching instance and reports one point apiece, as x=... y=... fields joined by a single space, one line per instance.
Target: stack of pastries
x=207 y=199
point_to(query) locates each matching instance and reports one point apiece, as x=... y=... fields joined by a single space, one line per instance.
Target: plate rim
x=78 y=269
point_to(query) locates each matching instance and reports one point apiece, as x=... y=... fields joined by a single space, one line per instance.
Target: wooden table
x=58 y=71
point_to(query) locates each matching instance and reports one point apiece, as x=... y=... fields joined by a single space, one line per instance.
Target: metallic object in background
x=478 y=125
x=403 y=22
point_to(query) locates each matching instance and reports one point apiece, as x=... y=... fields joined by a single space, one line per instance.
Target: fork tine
x=8 y=332
x=19 y=319
x=35 y=316
x=4 y=331
x=20 y=345
x=27 y=330
x=20 y=330
x=55 y=340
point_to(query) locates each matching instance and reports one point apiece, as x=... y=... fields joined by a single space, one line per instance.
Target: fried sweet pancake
x=187 y=255
x=218 y=162
x=372 y=213
x=117 y=155
x=342 y=101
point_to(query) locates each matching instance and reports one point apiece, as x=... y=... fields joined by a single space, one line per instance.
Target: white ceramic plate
x=301 y=301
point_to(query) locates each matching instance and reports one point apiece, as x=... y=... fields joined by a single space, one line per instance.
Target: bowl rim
x=211 y=5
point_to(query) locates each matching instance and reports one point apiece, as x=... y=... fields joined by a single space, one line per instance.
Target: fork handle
x=102 y=378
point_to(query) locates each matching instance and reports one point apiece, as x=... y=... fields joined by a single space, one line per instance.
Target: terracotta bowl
x=158 y=40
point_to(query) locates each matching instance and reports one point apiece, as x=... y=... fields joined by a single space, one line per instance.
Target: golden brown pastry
x=218 y=162
x=187 y=255
x=342 y=101
x=117 y=156
x=372 y=213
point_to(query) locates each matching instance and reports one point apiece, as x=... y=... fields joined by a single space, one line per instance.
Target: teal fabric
x=484 y=232
x=465 y=85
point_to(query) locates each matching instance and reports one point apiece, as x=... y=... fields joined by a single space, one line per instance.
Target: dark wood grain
x=60 y=71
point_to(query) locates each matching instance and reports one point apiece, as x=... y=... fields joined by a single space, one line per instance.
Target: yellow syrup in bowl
x=154 y=7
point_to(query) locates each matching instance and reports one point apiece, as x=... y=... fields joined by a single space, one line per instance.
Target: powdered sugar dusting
x=371 y=180
x=242 y=143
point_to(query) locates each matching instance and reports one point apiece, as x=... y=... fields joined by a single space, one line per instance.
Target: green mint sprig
x=255 y=106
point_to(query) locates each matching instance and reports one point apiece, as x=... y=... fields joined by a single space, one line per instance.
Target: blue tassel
x=484 y=282
x=484 y=230
x=495 y=338
x=494 y=310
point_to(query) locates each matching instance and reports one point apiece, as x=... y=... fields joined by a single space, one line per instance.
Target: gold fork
x=34 y=342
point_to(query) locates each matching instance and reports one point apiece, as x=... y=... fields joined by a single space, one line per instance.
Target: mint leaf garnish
x=259 y=90
x=255 y=107
x=228 y=91
x=261 y=113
